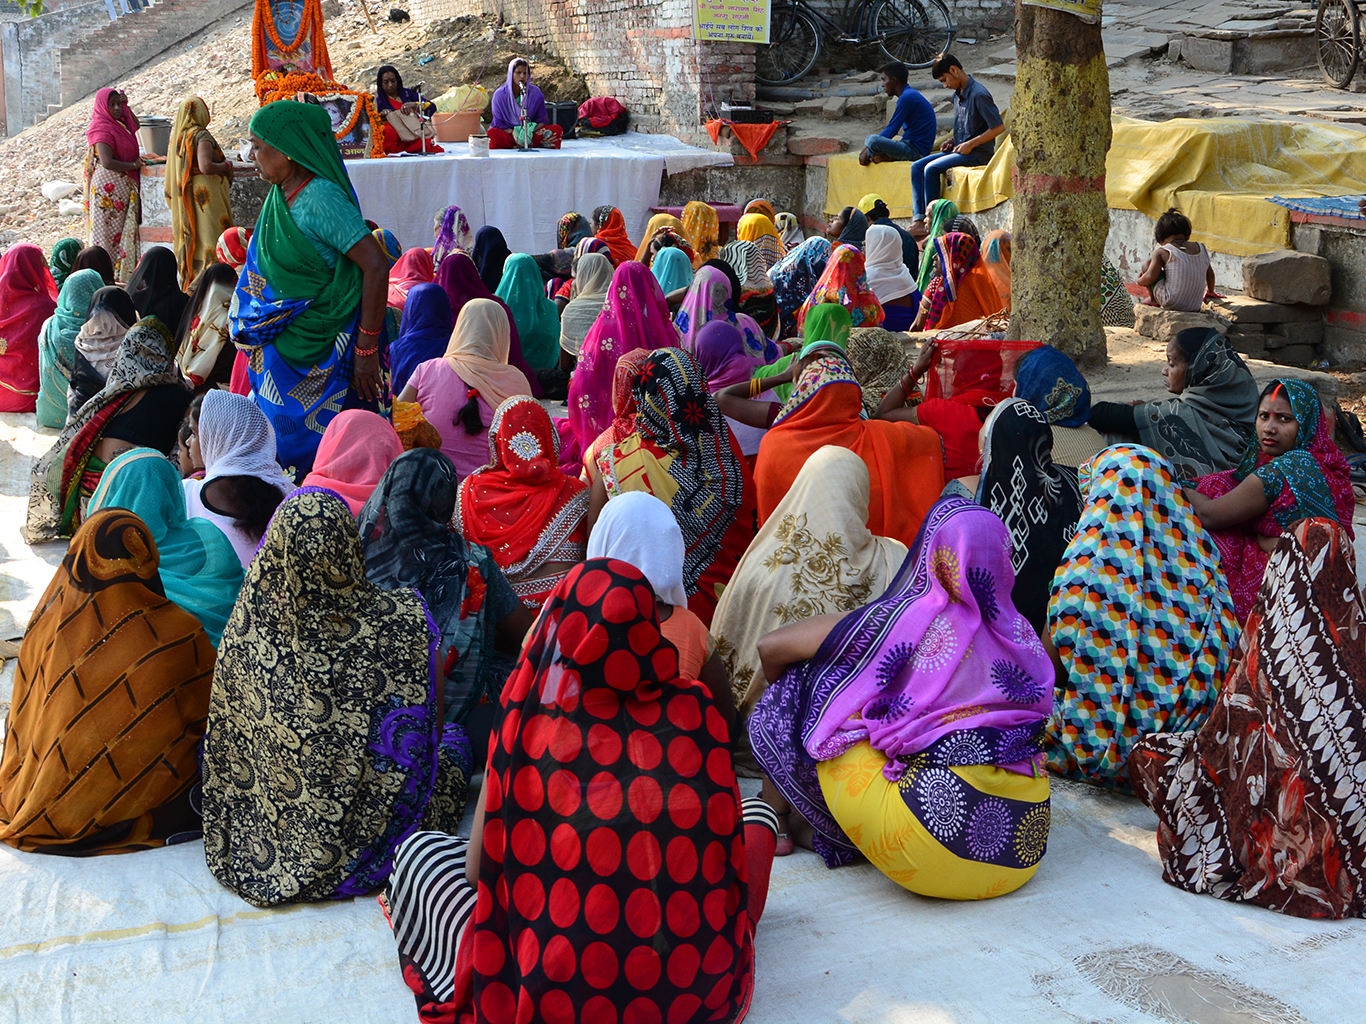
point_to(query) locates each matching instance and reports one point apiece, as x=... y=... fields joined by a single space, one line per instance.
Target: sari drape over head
x=478 y=352
x=758 y=229
x=413 y=268
x=940 y=672
x=794 y=277
x=963 y=292
x=623 y=423
x=844 y=283
x=905 y=462
x=1260 y=804
x=521 y=506
x=353 y=455
x=60 y=261
x=426 y=331
x=326 y=746
x=814 y=555
x=672 y=269
x=28 y=296
x=537 y=319
x=491 y=252
x=110 y=700
x=702 y=225
x=201 y=206
x=452 y=235
x=113 y=199
x=1140 y=616
x=634 y=316
x=612 y=230
x=155 y=288
x=460 y=278
x=1309 y=481
x=57 y=345
x=710 y=298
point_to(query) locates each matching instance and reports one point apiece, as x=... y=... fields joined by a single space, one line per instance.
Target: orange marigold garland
x=290 y=86
x=310 y=31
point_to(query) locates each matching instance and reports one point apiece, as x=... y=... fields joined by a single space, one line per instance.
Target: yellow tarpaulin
x=1219 y=172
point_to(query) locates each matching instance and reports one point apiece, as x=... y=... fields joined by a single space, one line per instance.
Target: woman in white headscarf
x=592 y=278
x=242 y=484
x=639 y=529
x=888 y=278
x=789 y=230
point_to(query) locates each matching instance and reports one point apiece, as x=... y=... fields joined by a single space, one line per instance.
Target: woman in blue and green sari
x=310 y=303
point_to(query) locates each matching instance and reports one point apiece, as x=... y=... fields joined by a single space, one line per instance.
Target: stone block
x=814 y=145
x=1285 y=335
x=1242 y=309
x=778 y=107
x=1174 y=45
x=808 y=108
x=1250 y=341
x=864 y=76
x=1164 y=324
x=833 y=108
x=863 y=106
x=1208 y=54
x=1295 y=355
x=1287 y=276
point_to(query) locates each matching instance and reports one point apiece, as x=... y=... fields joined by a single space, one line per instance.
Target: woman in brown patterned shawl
x=110 y=700
x=326 y=746
x=1263 y=804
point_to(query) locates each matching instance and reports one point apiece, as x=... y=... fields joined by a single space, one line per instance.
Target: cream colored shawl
x=814 y=555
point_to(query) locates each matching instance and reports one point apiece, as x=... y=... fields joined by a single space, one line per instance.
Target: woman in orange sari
x=905 y=462
x=610 y=226
x=962 y=289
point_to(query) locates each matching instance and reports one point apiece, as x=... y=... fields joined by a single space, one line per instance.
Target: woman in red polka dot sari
x=613 y=874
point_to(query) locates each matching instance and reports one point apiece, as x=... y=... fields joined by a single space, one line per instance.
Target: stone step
x=1245 y=311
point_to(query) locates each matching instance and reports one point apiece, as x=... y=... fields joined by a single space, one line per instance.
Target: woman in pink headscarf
x=634 y=316
x=28 y=296
x=355 y=450
x=113 y=174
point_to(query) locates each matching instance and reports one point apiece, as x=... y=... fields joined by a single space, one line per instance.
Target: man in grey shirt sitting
x=976 y=123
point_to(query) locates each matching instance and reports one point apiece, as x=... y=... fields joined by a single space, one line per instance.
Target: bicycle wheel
x=1337 y=31
x=914 y=32
x=794 y=44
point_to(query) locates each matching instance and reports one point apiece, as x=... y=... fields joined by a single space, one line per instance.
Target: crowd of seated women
x=750 y=542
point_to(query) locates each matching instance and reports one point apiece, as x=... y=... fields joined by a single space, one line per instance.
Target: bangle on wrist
x=756 y=387
x=368 y=334
x=367 y=352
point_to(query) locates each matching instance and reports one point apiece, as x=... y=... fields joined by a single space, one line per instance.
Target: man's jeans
x=891 y=149
x=927 y=178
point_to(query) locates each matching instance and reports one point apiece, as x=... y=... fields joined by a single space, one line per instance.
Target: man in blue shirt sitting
x=914 y=117
x=976 y=123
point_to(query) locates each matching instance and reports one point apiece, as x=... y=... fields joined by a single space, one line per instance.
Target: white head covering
x=790 y=230
x=888 y=277
x=638 y=529
x=236 y=439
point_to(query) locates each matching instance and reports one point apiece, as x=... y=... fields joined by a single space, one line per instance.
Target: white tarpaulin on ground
x=523 y=194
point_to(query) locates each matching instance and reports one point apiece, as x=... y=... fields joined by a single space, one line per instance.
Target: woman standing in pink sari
x=634 y=316
x=113 y=176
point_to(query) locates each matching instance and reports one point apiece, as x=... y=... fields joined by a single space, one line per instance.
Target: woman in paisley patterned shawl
x=814 y=555
x=935 y=693
x=1140 y=617
x=325 y=682
x=1262 y=804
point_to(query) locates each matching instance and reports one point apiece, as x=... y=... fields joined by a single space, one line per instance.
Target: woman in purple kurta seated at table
x=520 y=120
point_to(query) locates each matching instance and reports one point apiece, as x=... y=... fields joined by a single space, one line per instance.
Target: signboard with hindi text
x=734 y=21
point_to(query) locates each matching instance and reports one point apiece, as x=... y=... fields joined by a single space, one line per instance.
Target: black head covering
x=114 y=300
x=155 y=287
x=490 y=253
x=94 y=257
x=381 y=97
x=854 y=230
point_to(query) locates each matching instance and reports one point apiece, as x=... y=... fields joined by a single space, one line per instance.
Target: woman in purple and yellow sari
x=309 y=307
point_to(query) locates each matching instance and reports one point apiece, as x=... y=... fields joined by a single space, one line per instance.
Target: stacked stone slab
x=1280 y=316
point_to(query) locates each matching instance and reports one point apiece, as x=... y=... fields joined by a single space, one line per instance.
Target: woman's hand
x=925 y=356
x=918 y=324
x=365 y=376
x=411 y=108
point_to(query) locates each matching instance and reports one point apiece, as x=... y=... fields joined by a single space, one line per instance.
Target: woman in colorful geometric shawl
x=634 y=879
x=684 y=454
x=1141 y=617
x=298 y=317
x=325 y=680
x=1307 y=480
x=909 y=729
x=1263 y=803
x=843 y=282
x=86 y=768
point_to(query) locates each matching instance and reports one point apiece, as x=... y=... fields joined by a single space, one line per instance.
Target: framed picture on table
x=355 y=121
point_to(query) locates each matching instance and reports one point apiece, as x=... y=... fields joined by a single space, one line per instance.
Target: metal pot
x=155 y=134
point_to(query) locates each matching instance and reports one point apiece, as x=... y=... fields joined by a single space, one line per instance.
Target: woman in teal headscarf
x=310 y=303
x=64 y=255
x=57 y=344
x=199 y=569
x=537 y=319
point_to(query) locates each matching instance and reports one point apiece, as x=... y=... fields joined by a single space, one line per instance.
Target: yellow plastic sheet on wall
x=1219 y=172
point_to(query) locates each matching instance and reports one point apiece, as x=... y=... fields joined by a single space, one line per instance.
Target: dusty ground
x=216 y=65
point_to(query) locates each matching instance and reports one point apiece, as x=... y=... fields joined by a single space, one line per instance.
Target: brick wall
x=118 y=47
x=640 y=51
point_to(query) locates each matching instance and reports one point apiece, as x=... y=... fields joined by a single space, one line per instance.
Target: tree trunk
x=1061 y=133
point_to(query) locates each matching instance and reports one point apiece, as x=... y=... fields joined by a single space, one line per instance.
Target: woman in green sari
x=310 y=302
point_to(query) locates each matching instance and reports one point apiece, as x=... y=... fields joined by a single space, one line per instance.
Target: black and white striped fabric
x=430 y=903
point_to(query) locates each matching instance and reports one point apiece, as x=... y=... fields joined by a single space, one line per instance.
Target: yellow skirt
x=1009 y=834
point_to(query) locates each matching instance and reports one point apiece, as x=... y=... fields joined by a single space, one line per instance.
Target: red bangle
x=367 y=351
x=368 y=334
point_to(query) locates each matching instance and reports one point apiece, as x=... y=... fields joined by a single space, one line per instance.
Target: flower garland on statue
x=310 y=30
x=273 y=86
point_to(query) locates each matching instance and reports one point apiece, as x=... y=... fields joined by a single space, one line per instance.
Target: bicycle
x=914 y=32
x=1337 y=33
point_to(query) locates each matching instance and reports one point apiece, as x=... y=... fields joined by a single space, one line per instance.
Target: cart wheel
x=1337 y=30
